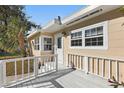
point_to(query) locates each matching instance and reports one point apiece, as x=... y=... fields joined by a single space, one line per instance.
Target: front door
x=59 y=47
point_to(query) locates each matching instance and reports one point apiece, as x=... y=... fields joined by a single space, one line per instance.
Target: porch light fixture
x=64 y=33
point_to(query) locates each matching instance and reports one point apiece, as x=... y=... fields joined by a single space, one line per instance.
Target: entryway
x=59 y=47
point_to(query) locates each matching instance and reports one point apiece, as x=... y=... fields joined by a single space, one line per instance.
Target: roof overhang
x=33 y=33
x=82 y=15
x=51 y=27
x=87 y=13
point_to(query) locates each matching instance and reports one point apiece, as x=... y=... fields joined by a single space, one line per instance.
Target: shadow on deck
x=46 y=81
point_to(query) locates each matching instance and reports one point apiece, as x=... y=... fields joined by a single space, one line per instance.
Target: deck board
x=66 y=78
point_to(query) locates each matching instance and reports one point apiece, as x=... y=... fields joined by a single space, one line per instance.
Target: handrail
x=108 y=58
x=24 y=58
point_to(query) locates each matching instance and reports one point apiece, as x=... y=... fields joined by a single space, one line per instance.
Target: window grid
x=47 y=43
x=36 y=44
x=94 y=36
x=76 y=38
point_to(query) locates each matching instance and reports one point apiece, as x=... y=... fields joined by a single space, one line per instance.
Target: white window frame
x=44 y=36
x=37 y=44
x=74 y=31
x=105 y=36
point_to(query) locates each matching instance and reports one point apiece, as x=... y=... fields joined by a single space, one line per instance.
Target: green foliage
x=13 y=20
x=122 y=9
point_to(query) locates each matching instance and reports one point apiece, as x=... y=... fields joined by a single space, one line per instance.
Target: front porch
x=65 y=78
x=46 y=71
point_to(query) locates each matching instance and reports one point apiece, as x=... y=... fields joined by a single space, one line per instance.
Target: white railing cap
x=25 y=58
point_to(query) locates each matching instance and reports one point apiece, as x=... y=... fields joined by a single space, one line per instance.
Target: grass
x=8 y=56
x=10 y=67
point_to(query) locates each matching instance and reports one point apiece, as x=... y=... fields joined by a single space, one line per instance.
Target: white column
x=35 y=67
x=86 y=64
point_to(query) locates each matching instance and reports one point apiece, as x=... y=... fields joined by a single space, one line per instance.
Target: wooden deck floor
x=66 y=78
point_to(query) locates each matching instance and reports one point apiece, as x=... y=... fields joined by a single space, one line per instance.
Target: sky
x=42 y=14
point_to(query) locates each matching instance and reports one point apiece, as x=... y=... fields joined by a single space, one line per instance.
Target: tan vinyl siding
x=115 y=44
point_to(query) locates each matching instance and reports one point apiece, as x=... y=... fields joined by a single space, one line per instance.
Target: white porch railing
x=102 y=66
x=14 y=71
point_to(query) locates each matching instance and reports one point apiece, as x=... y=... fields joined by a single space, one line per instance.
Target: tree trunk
x=21 y=41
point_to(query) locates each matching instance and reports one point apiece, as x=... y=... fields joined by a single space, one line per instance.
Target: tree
x=13 y=26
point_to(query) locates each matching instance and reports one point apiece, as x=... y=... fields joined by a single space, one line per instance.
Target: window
x=94 y=36
x=59 y=42
x=47 y=43
x=90 y=37
x=76 y=39
x=36 y=43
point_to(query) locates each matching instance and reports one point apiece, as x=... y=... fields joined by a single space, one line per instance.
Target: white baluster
x=97 y=63
x=50 y=63
x=117 y=71
x=80 y=62
x=22 y=69
x=109 y=69
x=4 y=72
x=103 y=68
x=91 y=67
x=1 y=73
x=15 y=71
x=28 y=67
x=86 y=64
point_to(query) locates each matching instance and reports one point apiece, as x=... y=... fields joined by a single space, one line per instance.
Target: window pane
x=88 y=40
x=47 y=43
x=93 y=32
x=80 y=34
x=94 y=43
x=87 y=33
x=59 y=41
x=76 y=42
x=100 y=30
x=76 y=35
x=100 y=43
x=87 y=44
x=100 y=38
x=93 y=38
x=36 y=42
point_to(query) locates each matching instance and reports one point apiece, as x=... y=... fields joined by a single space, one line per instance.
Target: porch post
x=56 y=62
x=86 y=64
x=35 y=67
x=1 y=74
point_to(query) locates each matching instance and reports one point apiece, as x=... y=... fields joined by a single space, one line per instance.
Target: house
x=91 y=40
